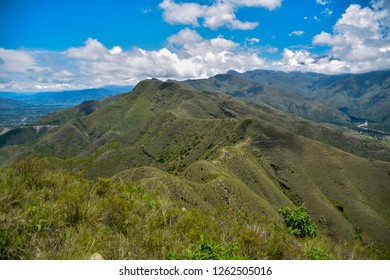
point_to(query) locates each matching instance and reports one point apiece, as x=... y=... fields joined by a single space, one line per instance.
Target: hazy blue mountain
x=7 y=103
x=71 y=97
x=24 y=108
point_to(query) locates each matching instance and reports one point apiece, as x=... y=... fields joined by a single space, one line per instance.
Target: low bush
x=298 y=221
x=317 y=254
x=205 y=249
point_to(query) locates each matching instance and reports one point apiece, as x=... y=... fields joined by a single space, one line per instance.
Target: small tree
x=298 y=221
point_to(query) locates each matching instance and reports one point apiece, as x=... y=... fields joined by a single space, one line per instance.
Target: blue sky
x=57 y=45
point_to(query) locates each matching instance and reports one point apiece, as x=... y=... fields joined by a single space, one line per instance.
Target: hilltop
x=207 y=150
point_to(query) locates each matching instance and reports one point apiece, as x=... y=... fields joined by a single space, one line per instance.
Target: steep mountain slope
x=208 y=149
x=361 y=96
x=364 y=96
x=278 y=97
x=299 y=83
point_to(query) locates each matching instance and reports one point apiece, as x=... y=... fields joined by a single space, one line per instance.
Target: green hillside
x=278 y=97
x=55 y=213
x=210 y=153
x=360 y=96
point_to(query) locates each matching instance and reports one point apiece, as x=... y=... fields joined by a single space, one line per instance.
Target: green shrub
x=317 y=254
x=205 y=249
x=298 y=221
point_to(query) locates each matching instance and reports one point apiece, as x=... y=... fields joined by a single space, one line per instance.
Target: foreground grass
x=49 y=213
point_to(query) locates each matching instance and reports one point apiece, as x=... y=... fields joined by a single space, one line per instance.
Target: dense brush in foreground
x=51 y=213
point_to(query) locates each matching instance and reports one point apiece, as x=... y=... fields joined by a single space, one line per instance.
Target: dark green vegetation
x=232 y=164
x=298 y=221
x=339 y=99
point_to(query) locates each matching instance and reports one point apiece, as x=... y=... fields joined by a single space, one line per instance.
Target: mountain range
x=23 y=108
x=218 y=141
x=338 y=99
x=68 y=98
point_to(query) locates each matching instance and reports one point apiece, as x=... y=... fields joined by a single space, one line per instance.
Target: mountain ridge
x=207 y=148
x=275 y=97
x=364 y=96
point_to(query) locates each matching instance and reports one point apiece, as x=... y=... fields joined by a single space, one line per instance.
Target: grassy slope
x=49 y=213
x=208 y=150
x=262 y=93
x=362 y=96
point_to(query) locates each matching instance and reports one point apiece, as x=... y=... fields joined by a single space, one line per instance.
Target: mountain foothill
x=248 y=143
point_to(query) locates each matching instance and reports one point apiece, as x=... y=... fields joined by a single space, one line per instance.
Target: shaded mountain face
x=265 y=93
x=359 y=96
x=208 y=149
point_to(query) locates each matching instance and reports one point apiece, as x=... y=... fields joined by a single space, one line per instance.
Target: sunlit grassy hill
x=54 y=213
x=233 y=163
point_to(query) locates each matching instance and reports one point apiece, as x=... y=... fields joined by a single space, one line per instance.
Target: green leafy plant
x=317 y=254
x=205 y=249
x=298 y=221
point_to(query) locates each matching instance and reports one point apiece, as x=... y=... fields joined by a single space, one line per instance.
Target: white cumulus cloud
x=186 y=55
x=223 y=14
x=302 y=60
x=186 y=13
x=218 y=14
x=20 y=70
x=17 y=61
x=191 y=57
x=269 y=4
x=185 y=36
x=358 y=42
x=359 y=39
x=116 y=50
